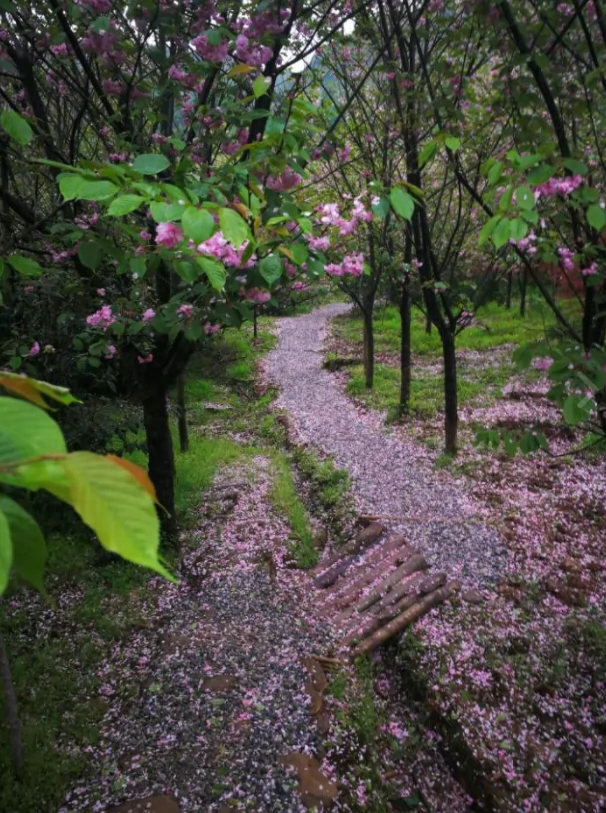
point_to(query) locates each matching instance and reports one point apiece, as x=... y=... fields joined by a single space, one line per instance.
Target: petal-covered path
x=390 y=478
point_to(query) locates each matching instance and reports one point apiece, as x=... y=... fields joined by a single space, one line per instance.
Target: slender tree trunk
x=451 y=412
x=427 y=324
x=405 y=347
x=161 y=465
x=509 y=285
x=182 y=414
x=11 y=709
x=369 y=347
x=523 y=290
x=255 y=326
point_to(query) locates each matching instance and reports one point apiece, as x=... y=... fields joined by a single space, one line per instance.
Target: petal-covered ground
x=522 y=673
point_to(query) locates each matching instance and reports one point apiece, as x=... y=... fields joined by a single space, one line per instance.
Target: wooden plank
x=409 y=616
x=416 y=562
x=364 y=539
x=370 y=623
x=350 y=591
x=330 y=576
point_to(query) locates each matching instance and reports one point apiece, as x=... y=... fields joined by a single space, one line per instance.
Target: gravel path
x=390 y=477
x=204 y=701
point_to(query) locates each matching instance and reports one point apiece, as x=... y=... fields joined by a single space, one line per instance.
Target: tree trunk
x=11 y=709
x=369 y=347
x=255 y=326
x=509 y=285
x=451 y=413
x=182 y=414
x=427 y=324
x=523 y=289
x=161 y=457
x=405 y=348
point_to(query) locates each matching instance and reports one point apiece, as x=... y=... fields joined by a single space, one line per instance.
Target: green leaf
x=6 y=552
x=453 y=143
x=495 y=173
x=403 y=204
x=166 y=212
x=427 y=153
x=234 y=228
x=300 y=253
x=577 y=409
x=32 y=390
x=70 y=185
x=96 y=190
x=29 y=548
x=138 y=266
x=576 y=166
x=505 y=199
x=27 y=432
x=523 y=356
x=488 y=228
x=115 y=505
x=502 y=233
x=214 y=270
x=382 y=208
x=16 y=127
x=187 y=271
x=305 y=225
x=260 y=86
x=518 y=229
x=524 y=197
x=198 y=224
x=124 y=205
x=150 y=163
x=270 y=268
x=596 y=217
x=25 y=266
x=541 y=174
x=89 y=254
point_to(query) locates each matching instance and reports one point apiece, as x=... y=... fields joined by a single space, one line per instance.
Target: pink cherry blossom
x=169 y=234
x=103 y=318
x=34 y=350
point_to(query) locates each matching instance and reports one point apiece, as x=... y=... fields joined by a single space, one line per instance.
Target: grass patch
x=286 y=501
x=427 y=391
x=494 y=326
x=55 y=662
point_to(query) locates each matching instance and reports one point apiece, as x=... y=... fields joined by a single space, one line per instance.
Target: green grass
x=286 y=501
x=427 y=391
x=496 y=326
x=55 y=675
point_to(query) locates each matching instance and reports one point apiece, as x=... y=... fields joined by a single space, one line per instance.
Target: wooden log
x=416 y=562
x=405 y=588
x=406 y=618
x=412 y=584
x=370 y=623
x=377 y=555
x=427 y=585
x=331 y=575
x=364 y=539
x=343 y=595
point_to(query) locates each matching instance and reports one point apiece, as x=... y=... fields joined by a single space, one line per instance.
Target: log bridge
x=376 y=586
